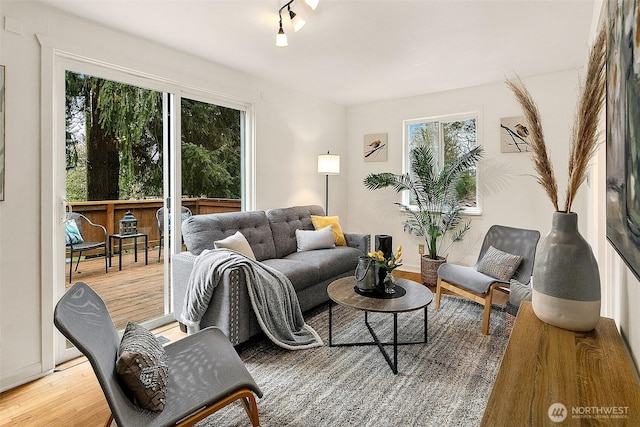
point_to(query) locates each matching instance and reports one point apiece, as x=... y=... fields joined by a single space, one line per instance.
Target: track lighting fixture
x=281 y=37
x=296 y=21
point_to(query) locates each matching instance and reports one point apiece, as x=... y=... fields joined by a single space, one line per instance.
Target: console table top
x=588 y=373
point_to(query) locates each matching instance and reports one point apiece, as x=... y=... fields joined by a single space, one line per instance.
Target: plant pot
x=566 y=282
x=429 y=269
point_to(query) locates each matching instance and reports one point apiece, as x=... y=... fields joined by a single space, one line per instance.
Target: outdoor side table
x=120 y=238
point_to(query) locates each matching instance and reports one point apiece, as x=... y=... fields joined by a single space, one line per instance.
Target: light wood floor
x=71 y=396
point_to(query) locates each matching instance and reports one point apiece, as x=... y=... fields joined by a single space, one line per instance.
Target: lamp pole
x=326 y=195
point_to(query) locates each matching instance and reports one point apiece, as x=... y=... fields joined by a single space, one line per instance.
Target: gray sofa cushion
x=201 y=231
x=301 y=274
x=329 y=262
x=284 y=223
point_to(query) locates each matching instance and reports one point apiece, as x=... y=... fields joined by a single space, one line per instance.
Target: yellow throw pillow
x=334 y=221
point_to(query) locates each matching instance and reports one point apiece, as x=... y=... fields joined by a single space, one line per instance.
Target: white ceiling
x=352 y=52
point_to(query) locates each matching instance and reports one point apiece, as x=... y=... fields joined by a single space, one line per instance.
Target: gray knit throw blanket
x=268 y=288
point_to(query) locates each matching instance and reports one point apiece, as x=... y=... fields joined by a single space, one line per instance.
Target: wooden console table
x=554 y=377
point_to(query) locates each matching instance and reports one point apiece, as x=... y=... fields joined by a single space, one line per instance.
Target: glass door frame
x=54 y=64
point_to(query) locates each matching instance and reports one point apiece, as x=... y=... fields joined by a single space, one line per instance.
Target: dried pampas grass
x=584 y=143
x=540 y=156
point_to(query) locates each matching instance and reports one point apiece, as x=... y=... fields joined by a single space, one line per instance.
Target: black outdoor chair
x=470 y=283
x=74 y=246
x=184 y=214
x=205 y=372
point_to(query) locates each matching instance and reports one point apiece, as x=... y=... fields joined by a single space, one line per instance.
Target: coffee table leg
x=395 y=343
x=330 y=323
x=392 y=364
x=425 y=325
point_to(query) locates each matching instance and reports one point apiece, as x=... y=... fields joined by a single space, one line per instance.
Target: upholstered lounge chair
x=471 y=283
x=204 y=371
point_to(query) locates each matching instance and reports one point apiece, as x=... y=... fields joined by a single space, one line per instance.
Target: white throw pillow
x=309 y=240
x=236 y=242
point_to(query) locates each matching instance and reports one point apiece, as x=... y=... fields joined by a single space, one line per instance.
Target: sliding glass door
x=129 y=151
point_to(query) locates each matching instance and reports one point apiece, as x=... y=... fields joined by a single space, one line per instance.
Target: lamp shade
x=297 y=23
x=329 y=164
x=281 y=39
x=312 y=3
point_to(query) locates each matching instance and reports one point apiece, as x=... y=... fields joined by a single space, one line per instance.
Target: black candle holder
x=384 y=243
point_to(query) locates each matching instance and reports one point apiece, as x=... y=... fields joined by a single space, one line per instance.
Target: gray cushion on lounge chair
x=519 y=293
x=466 y=277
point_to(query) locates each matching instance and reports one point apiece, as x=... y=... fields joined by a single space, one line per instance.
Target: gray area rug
x=446 y=382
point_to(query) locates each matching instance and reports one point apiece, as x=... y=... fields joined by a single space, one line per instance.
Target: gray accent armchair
x=470 y=283
x=205 y=372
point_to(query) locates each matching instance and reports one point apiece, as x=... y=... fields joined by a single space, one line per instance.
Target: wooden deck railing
x=109 y=213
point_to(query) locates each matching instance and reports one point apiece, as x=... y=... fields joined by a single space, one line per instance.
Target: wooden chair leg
x=245 y=396
x=251 y=408
x=438 y=294
x=487 y=312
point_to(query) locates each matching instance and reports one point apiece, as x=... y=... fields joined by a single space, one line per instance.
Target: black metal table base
x=393 y=364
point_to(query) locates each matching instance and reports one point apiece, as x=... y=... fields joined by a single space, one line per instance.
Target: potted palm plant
x=435 y=209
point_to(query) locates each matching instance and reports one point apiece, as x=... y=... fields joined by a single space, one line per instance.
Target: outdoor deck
x=133 y=294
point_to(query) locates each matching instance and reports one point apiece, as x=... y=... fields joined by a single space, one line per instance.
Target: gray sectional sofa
x=272 y=237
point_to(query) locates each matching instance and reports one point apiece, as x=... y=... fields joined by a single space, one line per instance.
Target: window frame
x=440 y=119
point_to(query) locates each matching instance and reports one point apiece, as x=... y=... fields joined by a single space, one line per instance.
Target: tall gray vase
x=566 y=282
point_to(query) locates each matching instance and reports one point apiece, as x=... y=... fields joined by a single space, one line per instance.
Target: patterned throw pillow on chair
x=142 y=367
x=499 y=264
x=73 y=235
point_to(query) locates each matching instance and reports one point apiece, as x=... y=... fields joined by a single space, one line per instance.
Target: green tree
x=120 y=156
x=211 y=152
x=116 y=117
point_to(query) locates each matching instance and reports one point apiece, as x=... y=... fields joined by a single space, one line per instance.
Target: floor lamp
x=328 y=164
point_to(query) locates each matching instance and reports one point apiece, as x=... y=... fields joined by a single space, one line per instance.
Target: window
x=448 y=137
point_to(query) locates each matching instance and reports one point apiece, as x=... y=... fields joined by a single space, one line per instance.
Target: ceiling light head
x=296 y=21
x=312 y=3
x=281 y=38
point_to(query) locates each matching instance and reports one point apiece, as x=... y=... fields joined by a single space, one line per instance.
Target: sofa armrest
x=230 y=307
x=359 y=241
x=181 y=266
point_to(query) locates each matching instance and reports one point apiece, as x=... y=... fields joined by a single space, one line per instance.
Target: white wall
x=509 y=195
x=291 y=130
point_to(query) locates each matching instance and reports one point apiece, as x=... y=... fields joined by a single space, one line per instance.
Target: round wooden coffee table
x=414 y=297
